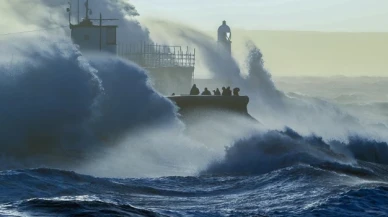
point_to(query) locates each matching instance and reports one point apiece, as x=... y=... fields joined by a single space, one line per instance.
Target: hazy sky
x=321 y=15
x=285 y=52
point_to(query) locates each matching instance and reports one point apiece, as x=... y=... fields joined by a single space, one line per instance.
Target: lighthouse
x=93 y=37
x=225 y=37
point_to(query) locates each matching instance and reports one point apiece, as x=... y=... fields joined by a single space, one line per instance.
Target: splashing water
x=61 y=106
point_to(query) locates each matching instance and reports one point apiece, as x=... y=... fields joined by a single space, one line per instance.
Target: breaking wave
x=273 y=150
x=61 y=105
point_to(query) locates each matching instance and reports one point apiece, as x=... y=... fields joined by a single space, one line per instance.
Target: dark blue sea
x=299 y=190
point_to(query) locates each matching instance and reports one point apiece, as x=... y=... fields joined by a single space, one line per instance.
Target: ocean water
x=87 y=135
x=300 y=190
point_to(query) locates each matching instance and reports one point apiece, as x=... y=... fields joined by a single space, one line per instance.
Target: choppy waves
x=292 y=191
x=272 y=150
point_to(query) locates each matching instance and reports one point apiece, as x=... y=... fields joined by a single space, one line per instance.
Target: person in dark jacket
x=217 y=92
x=228 y=91
x=206 y=92
x=236 y=91
x=194 y=90
x=223 y=91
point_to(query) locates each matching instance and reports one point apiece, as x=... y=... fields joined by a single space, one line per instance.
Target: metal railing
x=156 y=56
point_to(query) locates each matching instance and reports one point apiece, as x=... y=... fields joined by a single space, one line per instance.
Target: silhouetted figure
x=194 y=90
x=206 y=92
x=224 y=91
x=217 y=92
x=236 y=91
x=173 y=94
x=228 y=91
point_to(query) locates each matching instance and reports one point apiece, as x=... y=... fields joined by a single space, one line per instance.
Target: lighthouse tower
x=92 y=37
x=225 y=37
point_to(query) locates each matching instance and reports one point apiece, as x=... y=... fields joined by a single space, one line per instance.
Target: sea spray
x=152 y=151
x=61 y=106
x=208 y=54
x=304 y=114
x=128 y=100
x=48 y=96
x=259 y=80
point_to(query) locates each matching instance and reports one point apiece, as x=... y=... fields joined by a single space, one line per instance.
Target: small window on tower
x=86 y=37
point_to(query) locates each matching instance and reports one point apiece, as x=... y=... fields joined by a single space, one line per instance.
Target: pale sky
x=315 y=15
x=290 y=52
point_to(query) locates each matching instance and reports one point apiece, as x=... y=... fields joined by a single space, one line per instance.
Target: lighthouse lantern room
x=225 y=37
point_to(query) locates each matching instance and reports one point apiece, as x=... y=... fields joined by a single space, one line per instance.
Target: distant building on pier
x=171 y=68
x=91 y=37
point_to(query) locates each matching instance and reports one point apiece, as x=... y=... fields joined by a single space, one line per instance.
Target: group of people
x=225 y=91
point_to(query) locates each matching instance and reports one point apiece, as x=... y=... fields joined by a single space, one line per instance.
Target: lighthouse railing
x=157 y=56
